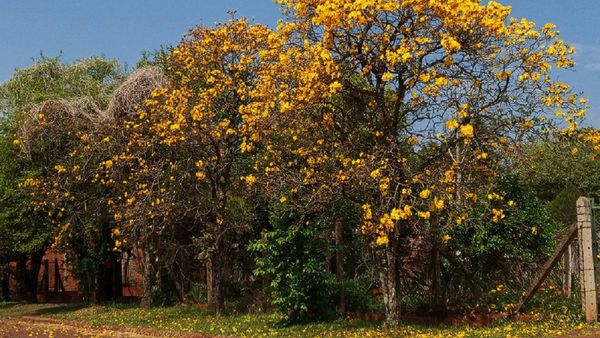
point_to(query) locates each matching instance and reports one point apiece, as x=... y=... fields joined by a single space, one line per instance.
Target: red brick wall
x=131 y=272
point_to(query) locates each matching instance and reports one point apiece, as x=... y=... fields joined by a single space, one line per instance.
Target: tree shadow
x=18 y=309
x=58 y=309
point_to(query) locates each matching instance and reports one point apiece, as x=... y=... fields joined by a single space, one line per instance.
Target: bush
x=359 y=299
x=198 y=293
x=292 y=258
x=503 y=257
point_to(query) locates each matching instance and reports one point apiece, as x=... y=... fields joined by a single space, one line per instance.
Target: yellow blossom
x=382 y=240
x=466 y=131
x=367 y=214
x=452 y=124
x=424 y=194
x=375 y=173
x=424 y=214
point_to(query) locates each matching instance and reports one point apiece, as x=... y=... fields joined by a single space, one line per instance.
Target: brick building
x=56 y=282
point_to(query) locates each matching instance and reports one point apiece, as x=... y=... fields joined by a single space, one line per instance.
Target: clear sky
x=122 y=29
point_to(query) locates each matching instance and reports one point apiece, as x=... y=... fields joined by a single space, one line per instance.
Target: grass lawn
x=188 y=319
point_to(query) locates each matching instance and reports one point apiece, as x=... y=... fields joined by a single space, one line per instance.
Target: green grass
x=181 y=318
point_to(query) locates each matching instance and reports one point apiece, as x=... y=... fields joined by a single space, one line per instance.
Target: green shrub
x=292 y=258
x=503 y=257
x=359 y=298
x=198 y=293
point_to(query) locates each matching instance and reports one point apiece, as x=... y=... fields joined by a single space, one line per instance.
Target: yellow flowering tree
x=424 y=101
x=186 y=152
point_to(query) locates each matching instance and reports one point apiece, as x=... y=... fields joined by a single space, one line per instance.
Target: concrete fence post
x=586 y=259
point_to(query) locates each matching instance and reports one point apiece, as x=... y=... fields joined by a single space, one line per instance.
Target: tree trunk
x=210 y=292
x=172 y=271
x=5 y=286
x=390 y=285
x=147 y=296
x=26 y=275
x=438 y=305
x=117 y=279
x=567 y=272
x=339 y=266
x=214 y=284
x=214 y=268
x=21 y=276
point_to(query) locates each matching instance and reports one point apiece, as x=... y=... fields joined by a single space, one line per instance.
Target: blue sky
x=122 y=29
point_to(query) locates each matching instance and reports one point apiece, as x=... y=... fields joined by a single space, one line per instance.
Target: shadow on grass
x=6 y=305
x=55 y=309
x=19 y=309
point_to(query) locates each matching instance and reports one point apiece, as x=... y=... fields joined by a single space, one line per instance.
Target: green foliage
x=50 y=79
x=292 y=258
x=505 y=255
x=156 y=57
x=359 y=299
x=22 y=229
x=198 y=293
x=564 y=206
x=549 y=167
x=163 y=290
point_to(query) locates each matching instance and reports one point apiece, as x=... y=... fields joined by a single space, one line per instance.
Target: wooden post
x=547 y=267
x=586 y=259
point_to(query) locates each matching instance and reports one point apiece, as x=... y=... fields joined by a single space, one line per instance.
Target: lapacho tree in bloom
x=429 y=101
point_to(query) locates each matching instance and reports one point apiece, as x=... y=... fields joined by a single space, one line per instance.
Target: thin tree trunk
x=210 y=290
x=438 y=305
x=147 y=281
x=32 y=275
x=390 y=284
x=117 y=279
x=214 y=285
x=339 y=265
x=329 y=262
x=567 y=272
x=177 y=282
x=21 y=276
x=5 y=286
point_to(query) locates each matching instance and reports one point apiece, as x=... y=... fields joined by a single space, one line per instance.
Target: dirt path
x=50 y=328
